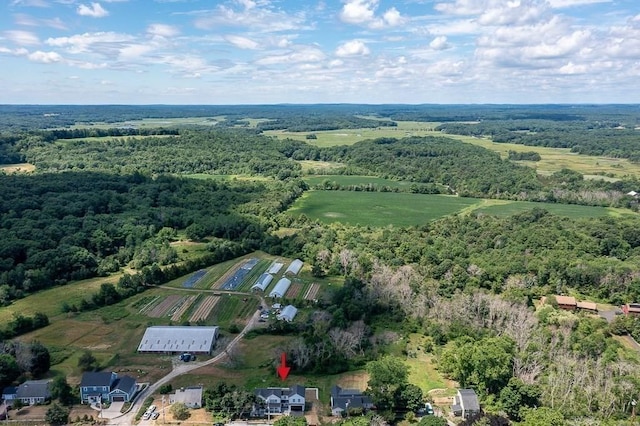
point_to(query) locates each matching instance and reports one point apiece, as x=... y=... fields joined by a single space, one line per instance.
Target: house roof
x=591 y=306
x=265 y=393
x=297 y=390
x=124 y=383
x=469 y=399
x=288 y=313
x=294 y=267
x=190 y=395
x=353 y=398
x=34 y=389
x=566 y=300
x=9 y=390
x=178 y=339
x=102 y=378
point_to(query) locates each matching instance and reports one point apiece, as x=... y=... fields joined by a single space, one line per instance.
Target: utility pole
x=633 y=411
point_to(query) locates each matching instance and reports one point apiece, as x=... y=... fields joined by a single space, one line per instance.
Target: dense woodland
x=469 y=283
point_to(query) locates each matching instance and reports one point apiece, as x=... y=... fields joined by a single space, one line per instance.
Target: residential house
x=280 y=400
x=465 y=403
x=31 y=392
x=191 y=396
x=106 y=387
x=343 y=400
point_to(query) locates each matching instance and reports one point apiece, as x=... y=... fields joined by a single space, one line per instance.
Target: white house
x=280 y=400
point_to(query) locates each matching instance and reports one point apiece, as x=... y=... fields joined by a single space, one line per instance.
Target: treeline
x=18 y=359
x=315 y=123
x=68 y=226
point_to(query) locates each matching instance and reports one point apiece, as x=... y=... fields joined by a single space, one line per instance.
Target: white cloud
x=44 y=57
x=30 y=21
x=258 y=19
x=23 y=38
x=440 y=43
x=299 y=54
x=570 y=3
x=162 y=30
x=95 y=10
x=352 y=48
x=572 y=68
x=106 y=43
x=30 y=3
x=363 y=12
x=242 y=42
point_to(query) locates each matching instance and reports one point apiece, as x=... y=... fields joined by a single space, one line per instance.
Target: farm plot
x=164 y=306
x=232 y=282
x=182 y=307
x=146 y=303
x=205 y=308
x=194 y=278
x=312 y=292
x=293 y=291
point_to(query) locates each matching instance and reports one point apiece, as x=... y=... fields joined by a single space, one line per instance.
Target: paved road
x=179 y=369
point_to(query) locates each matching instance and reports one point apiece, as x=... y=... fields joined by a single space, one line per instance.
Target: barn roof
x=178 y=339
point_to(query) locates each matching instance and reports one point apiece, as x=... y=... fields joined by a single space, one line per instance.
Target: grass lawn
x=422 y=371
x=377 y=208
x=569 y=210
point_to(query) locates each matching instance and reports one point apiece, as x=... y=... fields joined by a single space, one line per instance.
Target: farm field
x=377 y=208
x=152 y=122
x=346 y=180
x=203 y=310
x=553 y=159
x=402 y=209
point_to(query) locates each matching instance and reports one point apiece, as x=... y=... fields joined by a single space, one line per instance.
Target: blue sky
x=324 y=51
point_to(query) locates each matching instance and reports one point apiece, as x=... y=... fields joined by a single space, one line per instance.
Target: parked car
x=155 y=415
x=151 y=409
x=146 y=416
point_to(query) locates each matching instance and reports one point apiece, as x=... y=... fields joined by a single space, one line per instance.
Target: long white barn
x=177 y=339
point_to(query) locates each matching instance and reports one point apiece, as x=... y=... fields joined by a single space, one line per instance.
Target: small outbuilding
x=466 y=403
x=191 y=396
x=567 y=302
x=281 y=288
x=288 y=313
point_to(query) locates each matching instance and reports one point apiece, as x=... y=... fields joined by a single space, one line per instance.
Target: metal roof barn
x=170 y=339
x=281 y=288
x=263 y=282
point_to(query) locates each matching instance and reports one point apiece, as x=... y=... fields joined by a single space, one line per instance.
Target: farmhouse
x=279 y=400
x=191 y=396
x=342 y=400
x=175 y=339
x=294 y=267
x=567 y=302
x=288 y=313
x=281 y=288
x=106 y=387
x=31 y=392
x=631 y=309
x=465 y=403
x=263 y=282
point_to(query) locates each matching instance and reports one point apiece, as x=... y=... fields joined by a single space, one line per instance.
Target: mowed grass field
x=404 y=209
x=377 y=208
x=553 y=159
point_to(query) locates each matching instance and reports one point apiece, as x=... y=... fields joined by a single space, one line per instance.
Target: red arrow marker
x=283 y=370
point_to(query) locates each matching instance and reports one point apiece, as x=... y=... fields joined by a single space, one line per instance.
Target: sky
x=319 y=51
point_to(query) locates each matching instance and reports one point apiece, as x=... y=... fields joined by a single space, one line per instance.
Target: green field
x=377 y=208
x=152 y=122
x=403 y=209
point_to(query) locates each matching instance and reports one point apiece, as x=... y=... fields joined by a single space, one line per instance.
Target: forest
x=109 y=199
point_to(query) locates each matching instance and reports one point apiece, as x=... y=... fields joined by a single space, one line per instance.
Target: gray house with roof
x=280 y=400
x=465 y=403
x=106 y=386
x=31 y=392
x=343 y=400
